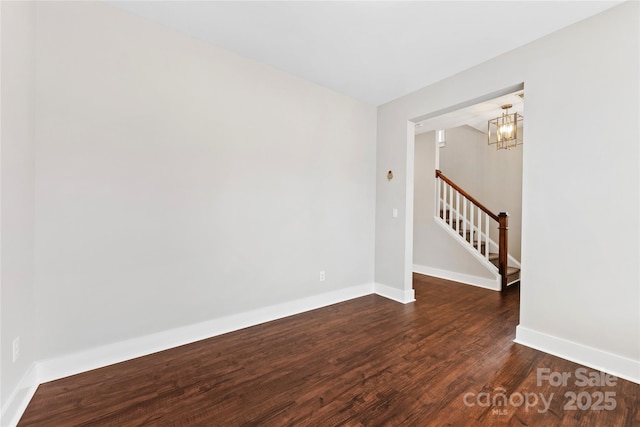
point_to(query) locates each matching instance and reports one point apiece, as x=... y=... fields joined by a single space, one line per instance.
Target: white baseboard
x=483 y=282
x=86 y=360
x=15 y=405
x=403 y=296
x=619 y=366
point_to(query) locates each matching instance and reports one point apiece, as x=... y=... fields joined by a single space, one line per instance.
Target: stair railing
x=471 y=219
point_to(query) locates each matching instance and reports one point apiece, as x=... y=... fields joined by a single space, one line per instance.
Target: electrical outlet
x=16 y=349
x=322 y=276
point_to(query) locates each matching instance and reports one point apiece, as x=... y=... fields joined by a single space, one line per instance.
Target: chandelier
x=503 y=130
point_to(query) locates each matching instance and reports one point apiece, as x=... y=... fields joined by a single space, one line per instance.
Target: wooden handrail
x=440 y=175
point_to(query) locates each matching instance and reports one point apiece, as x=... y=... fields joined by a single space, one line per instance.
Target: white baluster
x=471 y=222
x=443 y=207
x=464 y=217
x=457 y=211
x=472 y=215
x=438 y=190
x=486 y=237
x=479 y=229
x=451 y=190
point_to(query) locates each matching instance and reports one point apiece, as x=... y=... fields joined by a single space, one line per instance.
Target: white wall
x=17 y=118
x=177 y=182
x=494 y=177
x=580 y=295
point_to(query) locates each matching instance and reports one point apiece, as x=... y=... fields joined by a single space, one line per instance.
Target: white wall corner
x=613 y=364
x=482 y=282
x=16 y=404
x=409 y=209
x=97 y=357
x=403 y=296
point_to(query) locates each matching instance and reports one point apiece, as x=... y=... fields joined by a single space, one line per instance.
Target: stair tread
x=513 y=275
x=510 y=269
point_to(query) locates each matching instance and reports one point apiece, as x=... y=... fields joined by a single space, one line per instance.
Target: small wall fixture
x=505 y=131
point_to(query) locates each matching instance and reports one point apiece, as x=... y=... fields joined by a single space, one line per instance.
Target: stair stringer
x=473 y=251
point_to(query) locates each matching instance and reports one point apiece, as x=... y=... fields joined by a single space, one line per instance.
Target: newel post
x=503 y=221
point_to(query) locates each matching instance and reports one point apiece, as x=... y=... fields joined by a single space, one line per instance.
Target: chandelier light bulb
x=506 y=130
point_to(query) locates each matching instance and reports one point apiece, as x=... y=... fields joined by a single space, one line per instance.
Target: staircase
x=469 y=221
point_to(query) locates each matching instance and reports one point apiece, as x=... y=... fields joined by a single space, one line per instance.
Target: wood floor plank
x=365 y=362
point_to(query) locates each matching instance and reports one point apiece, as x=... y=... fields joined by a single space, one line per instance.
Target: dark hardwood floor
x=447 y=359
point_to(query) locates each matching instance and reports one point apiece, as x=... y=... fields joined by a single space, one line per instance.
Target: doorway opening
x=449 y=238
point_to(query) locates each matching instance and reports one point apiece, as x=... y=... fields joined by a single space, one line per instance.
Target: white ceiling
x=372 y=51
x=476 y=115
